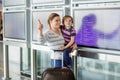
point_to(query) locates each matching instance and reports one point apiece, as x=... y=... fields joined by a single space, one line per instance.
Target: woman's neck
x=57 y=31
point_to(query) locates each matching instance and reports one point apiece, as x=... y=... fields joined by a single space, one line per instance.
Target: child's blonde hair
x=65 y=17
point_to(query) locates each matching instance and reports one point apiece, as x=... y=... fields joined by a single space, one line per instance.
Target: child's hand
x=40 y=25
x=62 y=47
x=74 y=47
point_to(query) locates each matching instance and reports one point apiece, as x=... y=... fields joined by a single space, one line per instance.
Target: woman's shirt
x=54 y=42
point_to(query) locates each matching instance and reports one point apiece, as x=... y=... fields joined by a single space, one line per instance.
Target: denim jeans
x=67 y=60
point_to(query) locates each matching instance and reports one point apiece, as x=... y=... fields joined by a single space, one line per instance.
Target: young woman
x=54 y=39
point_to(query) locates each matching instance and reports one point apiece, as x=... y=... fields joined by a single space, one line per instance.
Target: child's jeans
x=67 y=60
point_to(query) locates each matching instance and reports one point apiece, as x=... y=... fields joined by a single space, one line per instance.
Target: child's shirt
x=67 y=34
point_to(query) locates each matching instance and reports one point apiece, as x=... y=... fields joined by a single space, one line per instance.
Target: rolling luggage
x=58 y=74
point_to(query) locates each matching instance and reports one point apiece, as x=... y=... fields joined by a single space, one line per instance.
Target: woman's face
x=55 y=23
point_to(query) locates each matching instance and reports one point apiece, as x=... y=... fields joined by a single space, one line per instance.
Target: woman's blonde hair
x=51 y=17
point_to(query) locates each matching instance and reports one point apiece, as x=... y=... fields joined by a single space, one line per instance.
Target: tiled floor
x=1 y=62
x=13 y=75
x=1 y=74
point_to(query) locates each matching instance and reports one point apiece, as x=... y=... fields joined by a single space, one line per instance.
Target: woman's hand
x=40 y=25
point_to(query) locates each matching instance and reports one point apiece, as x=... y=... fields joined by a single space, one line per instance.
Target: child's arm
x=69 y=44
x=74 y=47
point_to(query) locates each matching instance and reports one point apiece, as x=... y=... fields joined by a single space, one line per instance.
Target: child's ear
x=49 y=27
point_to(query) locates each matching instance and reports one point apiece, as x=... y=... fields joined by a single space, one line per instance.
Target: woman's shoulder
x=48 y=32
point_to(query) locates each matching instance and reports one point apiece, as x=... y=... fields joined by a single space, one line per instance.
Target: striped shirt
x=68 y=33
x=54 y=42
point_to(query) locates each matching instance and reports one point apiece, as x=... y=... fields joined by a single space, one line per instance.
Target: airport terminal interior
x=97 y=24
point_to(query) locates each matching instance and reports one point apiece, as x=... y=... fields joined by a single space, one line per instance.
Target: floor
x=13 y=74
x=1 y=64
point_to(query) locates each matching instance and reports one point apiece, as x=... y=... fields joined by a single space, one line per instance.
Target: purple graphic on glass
x=88 y=36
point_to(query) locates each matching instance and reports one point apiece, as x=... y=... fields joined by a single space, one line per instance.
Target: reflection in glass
x=46 y=1
x=43 y=16
x=95 y=69
x=1 y=26
x=43 y=61
x=25 y=61
x=14 y=2
x=14 y=25
x=96 y=28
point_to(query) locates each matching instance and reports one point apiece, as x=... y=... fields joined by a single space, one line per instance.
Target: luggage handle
x=55 y=60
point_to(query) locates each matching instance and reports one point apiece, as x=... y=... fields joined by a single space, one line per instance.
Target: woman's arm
x=40 y=29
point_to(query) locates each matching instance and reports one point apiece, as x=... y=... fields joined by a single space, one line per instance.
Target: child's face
x=68 y=22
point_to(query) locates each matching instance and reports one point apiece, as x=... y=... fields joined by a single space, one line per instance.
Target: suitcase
x=58 y=74
x=54 y=60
